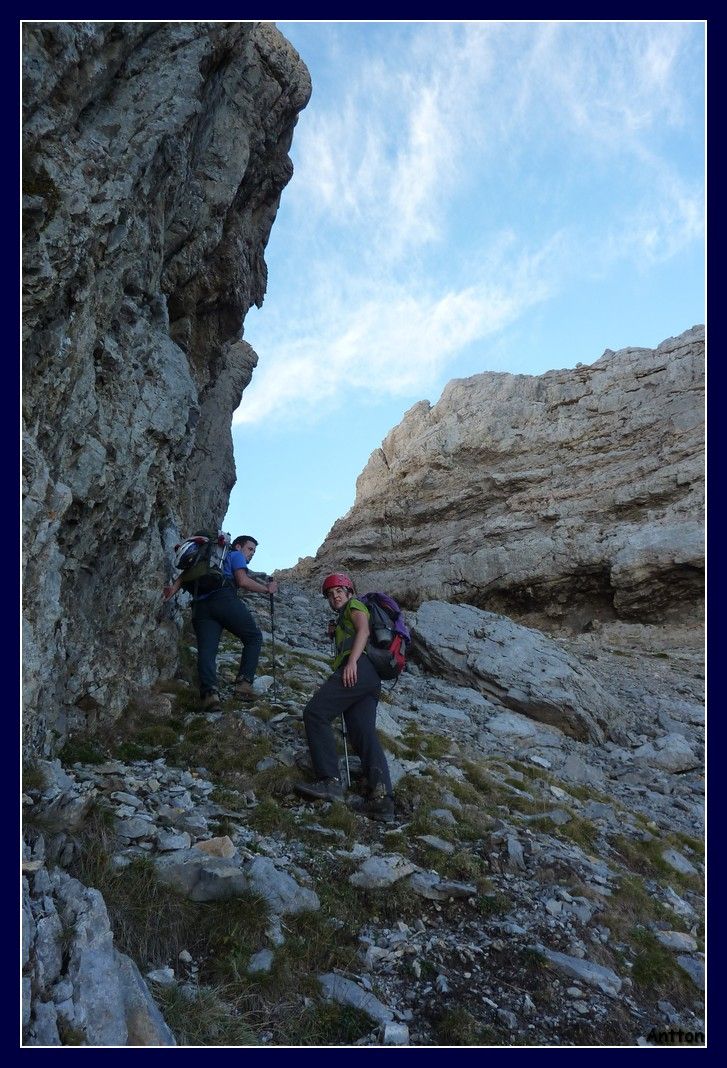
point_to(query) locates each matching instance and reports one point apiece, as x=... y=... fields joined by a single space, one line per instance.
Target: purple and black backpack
x=389 y=635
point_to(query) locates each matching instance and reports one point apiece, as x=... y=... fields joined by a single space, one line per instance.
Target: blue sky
x=467 y=197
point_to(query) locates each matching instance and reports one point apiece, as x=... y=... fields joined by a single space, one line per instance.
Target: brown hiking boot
x=377 y=805
x=211 y=702
x=323 y=790
x=244 y=690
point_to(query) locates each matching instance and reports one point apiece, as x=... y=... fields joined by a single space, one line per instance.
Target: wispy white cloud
x=394 y=342
x=655 y=230
x=483 y=168
x=610 y=84
x=461 y=97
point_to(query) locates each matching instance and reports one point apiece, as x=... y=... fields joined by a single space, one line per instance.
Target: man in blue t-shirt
x=223 y=610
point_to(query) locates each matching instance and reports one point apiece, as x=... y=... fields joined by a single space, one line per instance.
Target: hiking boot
x=211 y=702
x=378 y=805
x=323 y=790
x=244 y=690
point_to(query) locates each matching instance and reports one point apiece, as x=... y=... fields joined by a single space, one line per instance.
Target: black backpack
x=390 y=635
x=201 y=561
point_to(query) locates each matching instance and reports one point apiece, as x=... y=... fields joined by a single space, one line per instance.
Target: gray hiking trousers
x=357 y=704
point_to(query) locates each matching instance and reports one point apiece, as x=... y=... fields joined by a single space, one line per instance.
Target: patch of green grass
x=187 y=700
x=68 y=1034
x=644 y=858
x=297 y=685
x=418 y=744
x=463 y=866
x=473 y=823
x=316 y=945
x=33 y=776
x=268 y=817
x=423 y=823
x=199 y=732
x=158 y=736
x=339 y=817
x=632 y=903
x=237 y=936
x=466 y=793
x=532 y=960
x=207 y=1020
x=490 y=791
x=228 y=798
x=340 y=900
x=82 y=750
x=542 y=823
x=277 y=781
x=496 y=795
x=392 y=745
x=329 y=1024
x=397 y=842
x=223 y=749
x=581 y=831
x=128 y=751
x=655 y=971
x=413 y=792
x=492 y=903
x=37 y=182
x=274 y=1000
x=586 y=793
x=688 y=843
x=458 y=1027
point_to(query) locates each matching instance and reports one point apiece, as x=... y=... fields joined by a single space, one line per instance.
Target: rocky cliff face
x=563 y=499
x=154 y=156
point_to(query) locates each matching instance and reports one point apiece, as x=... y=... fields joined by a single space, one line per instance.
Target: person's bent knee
x=254 y=639
x=314 y=711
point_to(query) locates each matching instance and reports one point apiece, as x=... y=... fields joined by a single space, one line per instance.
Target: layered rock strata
x=560 y=499
x=154 y=155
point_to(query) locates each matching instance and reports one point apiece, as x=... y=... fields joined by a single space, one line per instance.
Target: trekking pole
x=345 y=750
x=272 y=629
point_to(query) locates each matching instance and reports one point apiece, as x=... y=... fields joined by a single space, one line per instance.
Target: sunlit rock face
x=561 y=500
x=154 y=156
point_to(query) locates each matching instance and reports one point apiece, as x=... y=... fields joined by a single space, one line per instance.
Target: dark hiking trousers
x=223 y=610
x=357 y=704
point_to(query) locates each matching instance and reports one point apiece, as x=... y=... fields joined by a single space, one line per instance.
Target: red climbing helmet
x=334 y=580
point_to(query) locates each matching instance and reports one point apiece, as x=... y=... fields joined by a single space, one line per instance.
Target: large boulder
x=521 y=668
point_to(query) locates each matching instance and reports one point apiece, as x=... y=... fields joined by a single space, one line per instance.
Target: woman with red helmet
x=352 y=691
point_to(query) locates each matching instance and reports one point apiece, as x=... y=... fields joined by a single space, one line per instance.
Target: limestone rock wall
x=561 y=499
x=154 y=155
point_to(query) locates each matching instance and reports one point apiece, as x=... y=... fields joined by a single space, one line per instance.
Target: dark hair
x=243 y=538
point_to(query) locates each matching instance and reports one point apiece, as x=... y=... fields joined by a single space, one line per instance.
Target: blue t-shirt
x=233 y=562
